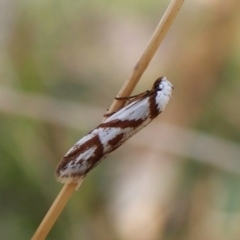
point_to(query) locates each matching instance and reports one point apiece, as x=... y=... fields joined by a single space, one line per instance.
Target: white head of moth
x=89 y=151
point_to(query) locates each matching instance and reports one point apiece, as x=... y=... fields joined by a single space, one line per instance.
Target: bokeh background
x=62 y=63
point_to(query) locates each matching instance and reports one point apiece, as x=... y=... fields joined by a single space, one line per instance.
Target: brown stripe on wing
x=73 y=155
x=123 y=123
x=116 y=142
x=98 y=153
x=154 y=111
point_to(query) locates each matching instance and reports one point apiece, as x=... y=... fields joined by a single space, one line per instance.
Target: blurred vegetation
x=62 y=62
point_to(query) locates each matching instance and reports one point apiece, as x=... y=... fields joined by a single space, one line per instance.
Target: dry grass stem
x=54 y=211
x=126 y=90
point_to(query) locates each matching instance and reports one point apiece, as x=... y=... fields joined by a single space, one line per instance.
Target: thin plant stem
x=126 y=90
x=54 y=211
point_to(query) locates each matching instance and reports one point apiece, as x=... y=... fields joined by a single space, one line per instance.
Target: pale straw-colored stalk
x=126 y=90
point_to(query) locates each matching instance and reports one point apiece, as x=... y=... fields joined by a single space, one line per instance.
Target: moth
x=94 y=147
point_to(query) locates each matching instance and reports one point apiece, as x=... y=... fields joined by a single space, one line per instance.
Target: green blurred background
x=61 y=65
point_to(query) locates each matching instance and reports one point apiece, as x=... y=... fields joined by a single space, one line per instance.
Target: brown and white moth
x=89 y=151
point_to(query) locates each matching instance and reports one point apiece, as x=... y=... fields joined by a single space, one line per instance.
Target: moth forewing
x=113 y=132
x=133 y=111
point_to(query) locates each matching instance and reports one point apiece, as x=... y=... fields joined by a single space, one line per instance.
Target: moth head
x=162 y=84
x=162 y=90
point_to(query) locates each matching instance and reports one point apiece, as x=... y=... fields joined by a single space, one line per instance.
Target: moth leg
x=125 y=98
x=108 y=114
x=134 y=96
x=129 y=99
